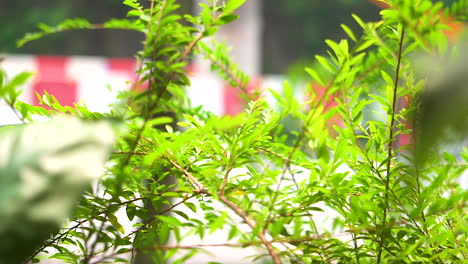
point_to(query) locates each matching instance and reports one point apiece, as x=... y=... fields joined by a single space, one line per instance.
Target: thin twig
x=391 y=139
x=198 y=185
x=251 y=223
x=247 y=219
x=238 y=83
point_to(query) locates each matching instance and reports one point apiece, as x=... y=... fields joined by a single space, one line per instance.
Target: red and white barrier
x=95 y=81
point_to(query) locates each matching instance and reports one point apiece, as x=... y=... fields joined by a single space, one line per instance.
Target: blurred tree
x=21 y=16
x=292 y=29
x=295 y=30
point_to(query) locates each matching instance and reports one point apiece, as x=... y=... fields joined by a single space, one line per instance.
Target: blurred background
x=291 y=32
x=271 y=40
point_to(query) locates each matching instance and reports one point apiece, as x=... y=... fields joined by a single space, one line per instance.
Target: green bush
x=387 y=202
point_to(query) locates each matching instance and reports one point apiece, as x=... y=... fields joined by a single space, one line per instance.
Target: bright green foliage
x=9 y=90
x=269 y=187
x=227 y=69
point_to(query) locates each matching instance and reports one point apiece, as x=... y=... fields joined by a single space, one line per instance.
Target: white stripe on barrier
x=207 y=91
x=98 y=81
x=15 y=64
x=91 y=76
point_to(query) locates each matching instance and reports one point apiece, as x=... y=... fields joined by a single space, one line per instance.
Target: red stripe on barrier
x=232 y=100
x=404 y=139
x=124 y=65
x=329 y=102
x=51 y=68
x=52 y=77
x=128 y=67
x=191 y=69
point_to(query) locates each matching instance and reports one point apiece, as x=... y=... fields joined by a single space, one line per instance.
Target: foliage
x=243 y=174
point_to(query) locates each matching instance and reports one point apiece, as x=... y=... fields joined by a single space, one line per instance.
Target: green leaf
x=349 y=32
x=132 y=3
x=28 y=37
x=121 y=260
x=225 y=19
x=11 y=88
x=364 y=45
x=160 y=121
x=191 y=206
x=123 y=250
x=68 y=24
x=206 y=15
x=387 y=78
x=381 y=100
x=115 y=222
x=334 y=46
x=169 y=220
x=74 y=23
x=2 y=78
x=210 y=31
x=233 y=232
x=232 y=5
x=131 y=211
x=325 y=63
x=359 y=21
x=135 y=13
x=314 y=75
x=184 y=215
x=124 y=24
x=171 y=194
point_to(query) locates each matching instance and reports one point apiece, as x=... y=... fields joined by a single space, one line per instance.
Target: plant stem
x=390 y=143
x=251 y=223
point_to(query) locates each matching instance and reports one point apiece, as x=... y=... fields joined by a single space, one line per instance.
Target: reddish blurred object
x=380 y=3
x=455 y=29
x=72 y=79
x=52 y=77
x=328 y=102
x=404 y=139
x=127 y=67
x=232 y=100
x=123 y=65
x=452 y=33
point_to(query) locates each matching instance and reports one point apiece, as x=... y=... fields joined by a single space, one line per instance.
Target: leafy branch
x=391 y=138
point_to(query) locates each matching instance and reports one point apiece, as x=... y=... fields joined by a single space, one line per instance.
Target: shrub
x=269 y=187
